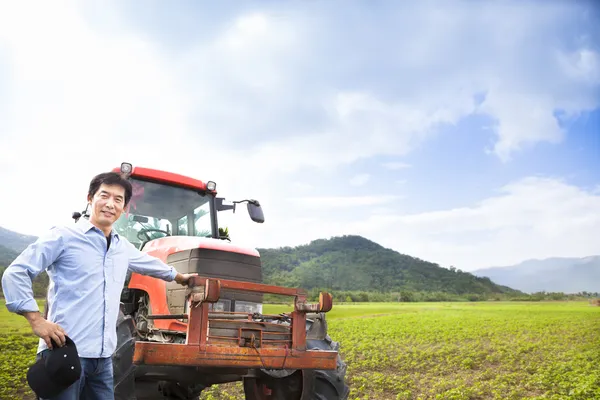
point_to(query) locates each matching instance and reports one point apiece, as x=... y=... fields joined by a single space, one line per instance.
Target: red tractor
x=175 y=341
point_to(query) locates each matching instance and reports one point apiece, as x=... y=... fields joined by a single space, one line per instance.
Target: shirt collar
x=85 y=225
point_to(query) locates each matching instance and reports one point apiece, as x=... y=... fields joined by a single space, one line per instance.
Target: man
x=87 y=263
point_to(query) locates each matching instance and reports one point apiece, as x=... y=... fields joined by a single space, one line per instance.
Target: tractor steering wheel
x=145 y=232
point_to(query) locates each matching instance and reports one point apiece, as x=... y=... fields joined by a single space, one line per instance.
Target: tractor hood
x=164 y=246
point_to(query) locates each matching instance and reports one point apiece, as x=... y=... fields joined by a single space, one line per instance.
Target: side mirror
x=256 y=212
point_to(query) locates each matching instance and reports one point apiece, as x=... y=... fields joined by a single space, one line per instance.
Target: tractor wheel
x=329 y=384
x=302 y=384
x=125 y=385
x=123 y=368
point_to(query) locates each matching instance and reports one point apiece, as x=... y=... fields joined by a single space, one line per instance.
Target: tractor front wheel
x=302 y=384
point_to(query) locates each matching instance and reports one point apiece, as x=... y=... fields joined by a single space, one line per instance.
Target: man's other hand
x=183 y=279
x=46 y=330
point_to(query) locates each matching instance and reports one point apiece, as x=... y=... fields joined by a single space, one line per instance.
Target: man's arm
x=18 y=288
x=145 y=264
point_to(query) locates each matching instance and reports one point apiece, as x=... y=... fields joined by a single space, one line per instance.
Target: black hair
x=111 y=178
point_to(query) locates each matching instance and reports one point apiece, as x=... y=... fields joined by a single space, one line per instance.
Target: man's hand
x=46 y=330
x=183 y=279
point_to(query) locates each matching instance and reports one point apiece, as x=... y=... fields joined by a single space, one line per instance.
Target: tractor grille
x=214 y=264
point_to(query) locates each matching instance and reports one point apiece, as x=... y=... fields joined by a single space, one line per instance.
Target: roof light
x=212 y=186
x=126 y=168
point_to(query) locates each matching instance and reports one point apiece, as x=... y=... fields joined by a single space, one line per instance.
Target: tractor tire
x=329 y=384
x=301 y=384
x=125 y=385
x=122 y=359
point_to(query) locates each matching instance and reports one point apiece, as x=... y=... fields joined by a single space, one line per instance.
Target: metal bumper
x=240 y=340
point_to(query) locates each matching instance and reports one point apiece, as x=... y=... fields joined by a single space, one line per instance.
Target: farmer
x=87 y=263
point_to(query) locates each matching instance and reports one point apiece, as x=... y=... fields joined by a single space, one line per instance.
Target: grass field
x=453 y=351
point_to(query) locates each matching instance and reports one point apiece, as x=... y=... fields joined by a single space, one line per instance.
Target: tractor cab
x=160 y=209
x=166 y=204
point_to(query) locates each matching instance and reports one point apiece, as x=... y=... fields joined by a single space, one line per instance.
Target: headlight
x=248 y=307
x=126 y=168
x=221 y=305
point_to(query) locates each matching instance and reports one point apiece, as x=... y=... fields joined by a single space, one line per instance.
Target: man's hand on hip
x=46 y=330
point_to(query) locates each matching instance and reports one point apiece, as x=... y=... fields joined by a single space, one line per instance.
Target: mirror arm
x=222 y=207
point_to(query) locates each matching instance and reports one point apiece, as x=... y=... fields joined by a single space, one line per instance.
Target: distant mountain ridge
x=14 y=240
x=556 y=274
x=7 y=255
x=356 y=263
x=351 y=263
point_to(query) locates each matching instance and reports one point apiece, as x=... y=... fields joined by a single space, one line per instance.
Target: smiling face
x=107 y=205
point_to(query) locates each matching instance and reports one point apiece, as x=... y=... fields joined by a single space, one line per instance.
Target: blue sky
x=458 y=132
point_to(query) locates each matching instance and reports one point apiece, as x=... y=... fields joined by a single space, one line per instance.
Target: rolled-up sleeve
x=145 y=264
x=17 y=279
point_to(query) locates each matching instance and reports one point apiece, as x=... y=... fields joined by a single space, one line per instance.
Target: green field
x=546 y=350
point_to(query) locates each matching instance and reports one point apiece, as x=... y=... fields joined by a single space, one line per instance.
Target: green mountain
x=345 y=266
x=353 y=263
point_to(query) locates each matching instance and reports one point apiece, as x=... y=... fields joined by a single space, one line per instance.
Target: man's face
x=107 y=204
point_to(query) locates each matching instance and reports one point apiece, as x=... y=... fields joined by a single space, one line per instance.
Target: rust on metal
x=226 y=339
x=230 y=356
x=325 y=302
x=247 y=286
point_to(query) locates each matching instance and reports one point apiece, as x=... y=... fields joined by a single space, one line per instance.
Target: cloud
x=360 y=179
x=535 y=217
x=274 y=103
x=395 y=165
x=343 y=201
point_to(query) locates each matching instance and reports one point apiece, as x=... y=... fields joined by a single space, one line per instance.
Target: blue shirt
x=86 y=282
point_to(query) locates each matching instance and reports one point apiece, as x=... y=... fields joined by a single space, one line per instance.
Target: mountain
x=346 y=263
x=567 y=275
x=7 y=255
x=14 y=240
x=11 y=244
x=355 y=263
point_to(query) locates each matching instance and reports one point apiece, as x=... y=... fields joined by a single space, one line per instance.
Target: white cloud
x=531 y=218
x=342 y=201
x=360 y=179
x=395 y=165
x=272 y=105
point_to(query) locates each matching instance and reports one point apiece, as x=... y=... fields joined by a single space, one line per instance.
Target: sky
x=463 y=133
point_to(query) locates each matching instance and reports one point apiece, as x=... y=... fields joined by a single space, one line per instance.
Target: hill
x=348 y=263
x=353 y=263
x=7 y=255
x=11 y=244
x=568 y=275
x=14 y=240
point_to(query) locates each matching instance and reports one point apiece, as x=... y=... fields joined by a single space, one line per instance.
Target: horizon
x=492 y=266
x=451 y=132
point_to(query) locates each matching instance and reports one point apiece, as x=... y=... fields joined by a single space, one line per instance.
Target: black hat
x=55 y=372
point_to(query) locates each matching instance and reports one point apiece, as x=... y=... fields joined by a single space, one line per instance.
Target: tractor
x=174 y=341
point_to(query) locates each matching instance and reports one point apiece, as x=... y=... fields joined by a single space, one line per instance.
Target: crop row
x=455 y=351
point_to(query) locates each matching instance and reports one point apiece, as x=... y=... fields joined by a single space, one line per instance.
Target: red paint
x=157 y=293
x=149 y=353
x=170 y=244
x=166 y=177
x=203 y=349
x=156 y=288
